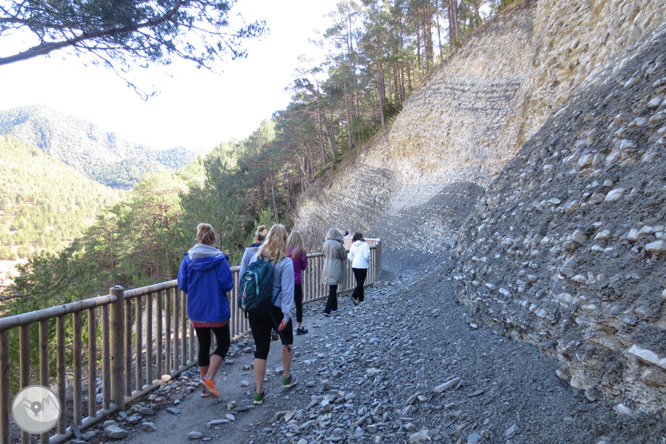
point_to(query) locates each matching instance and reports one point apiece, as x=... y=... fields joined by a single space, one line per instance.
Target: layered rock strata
x=481 y=105
x=566 y=247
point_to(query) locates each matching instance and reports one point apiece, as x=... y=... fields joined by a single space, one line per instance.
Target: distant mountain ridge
x=101 y=156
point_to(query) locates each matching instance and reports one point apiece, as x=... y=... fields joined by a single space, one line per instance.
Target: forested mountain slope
x=583 y=84
x=44 y=204
x=102 y=156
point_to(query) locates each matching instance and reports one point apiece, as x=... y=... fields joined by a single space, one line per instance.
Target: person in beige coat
x=335 y=257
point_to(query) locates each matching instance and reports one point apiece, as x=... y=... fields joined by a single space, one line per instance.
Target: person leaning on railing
x=206 y=277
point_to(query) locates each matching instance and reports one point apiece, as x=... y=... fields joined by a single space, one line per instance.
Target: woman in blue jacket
x=206 y=277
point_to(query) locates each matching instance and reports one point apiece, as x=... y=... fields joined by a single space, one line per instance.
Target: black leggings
x=223 y=338
x=332 y=301
x=360 y=274
x=298 y=300
x=262 y=325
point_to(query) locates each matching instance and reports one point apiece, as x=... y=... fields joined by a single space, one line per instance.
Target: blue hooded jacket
x=205 y=276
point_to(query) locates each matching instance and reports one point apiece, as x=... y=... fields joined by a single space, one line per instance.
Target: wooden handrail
x=144 y=332
x=53 y=312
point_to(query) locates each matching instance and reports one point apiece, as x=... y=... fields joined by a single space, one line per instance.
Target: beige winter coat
x=335 y=257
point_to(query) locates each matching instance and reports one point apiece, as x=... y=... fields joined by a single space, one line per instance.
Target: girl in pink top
x=297 y=253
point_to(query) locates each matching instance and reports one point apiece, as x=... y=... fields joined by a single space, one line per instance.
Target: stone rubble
x=584 y=282
x=405 y=366
x=113 y=431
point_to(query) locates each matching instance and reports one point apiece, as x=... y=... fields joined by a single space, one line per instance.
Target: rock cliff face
x=560 y=243
x=566 y=249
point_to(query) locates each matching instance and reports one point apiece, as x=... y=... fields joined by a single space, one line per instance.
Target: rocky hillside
x=567 y=247
x=475 y=113
x=534 y=157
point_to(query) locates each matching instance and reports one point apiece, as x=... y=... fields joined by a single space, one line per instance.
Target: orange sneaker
x=209 y=387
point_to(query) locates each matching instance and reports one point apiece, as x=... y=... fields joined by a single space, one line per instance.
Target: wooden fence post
x=4 y=386
x=117 y=346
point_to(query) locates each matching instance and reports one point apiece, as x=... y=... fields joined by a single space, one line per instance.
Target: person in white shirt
x=359 y=255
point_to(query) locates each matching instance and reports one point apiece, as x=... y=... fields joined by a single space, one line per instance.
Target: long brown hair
x=358 y=236
x=295 y=241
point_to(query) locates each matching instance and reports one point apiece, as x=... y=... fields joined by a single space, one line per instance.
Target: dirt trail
x=407 y=366
x=182 y=409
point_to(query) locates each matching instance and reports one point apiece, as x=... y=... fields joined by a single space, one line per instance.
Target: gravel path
x=406 y=366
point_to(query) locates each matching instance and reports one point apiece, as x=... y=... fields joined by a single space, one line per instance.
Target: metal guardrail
x=145 y=340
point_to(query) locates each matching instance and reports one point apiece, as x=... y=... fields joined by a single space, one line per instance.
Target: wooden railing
x=135 y=341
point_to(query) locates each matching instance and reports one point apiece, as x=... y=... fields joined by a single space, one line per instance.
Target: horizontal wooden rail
x=132 y=340
x=53 y=312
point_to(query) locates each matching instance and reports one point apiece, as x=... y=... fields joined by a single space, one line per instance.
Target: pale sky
x=194 y=108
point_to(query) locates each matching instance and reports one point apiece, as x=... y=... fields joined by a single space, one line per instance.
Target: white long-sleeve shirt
x=359 y=254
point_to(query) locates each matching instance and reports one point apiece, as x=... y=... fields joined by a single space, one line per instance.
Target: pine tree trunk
x=381 y=86
x=439 y=36
x=348 y=107
x=330 y=135
x=454 y=33
x=427 y=34
x=418 y=47
x=275 y=211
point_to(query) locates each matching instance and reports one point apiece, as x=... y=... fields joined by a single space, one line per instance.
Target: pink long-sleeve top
x=299 y=265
